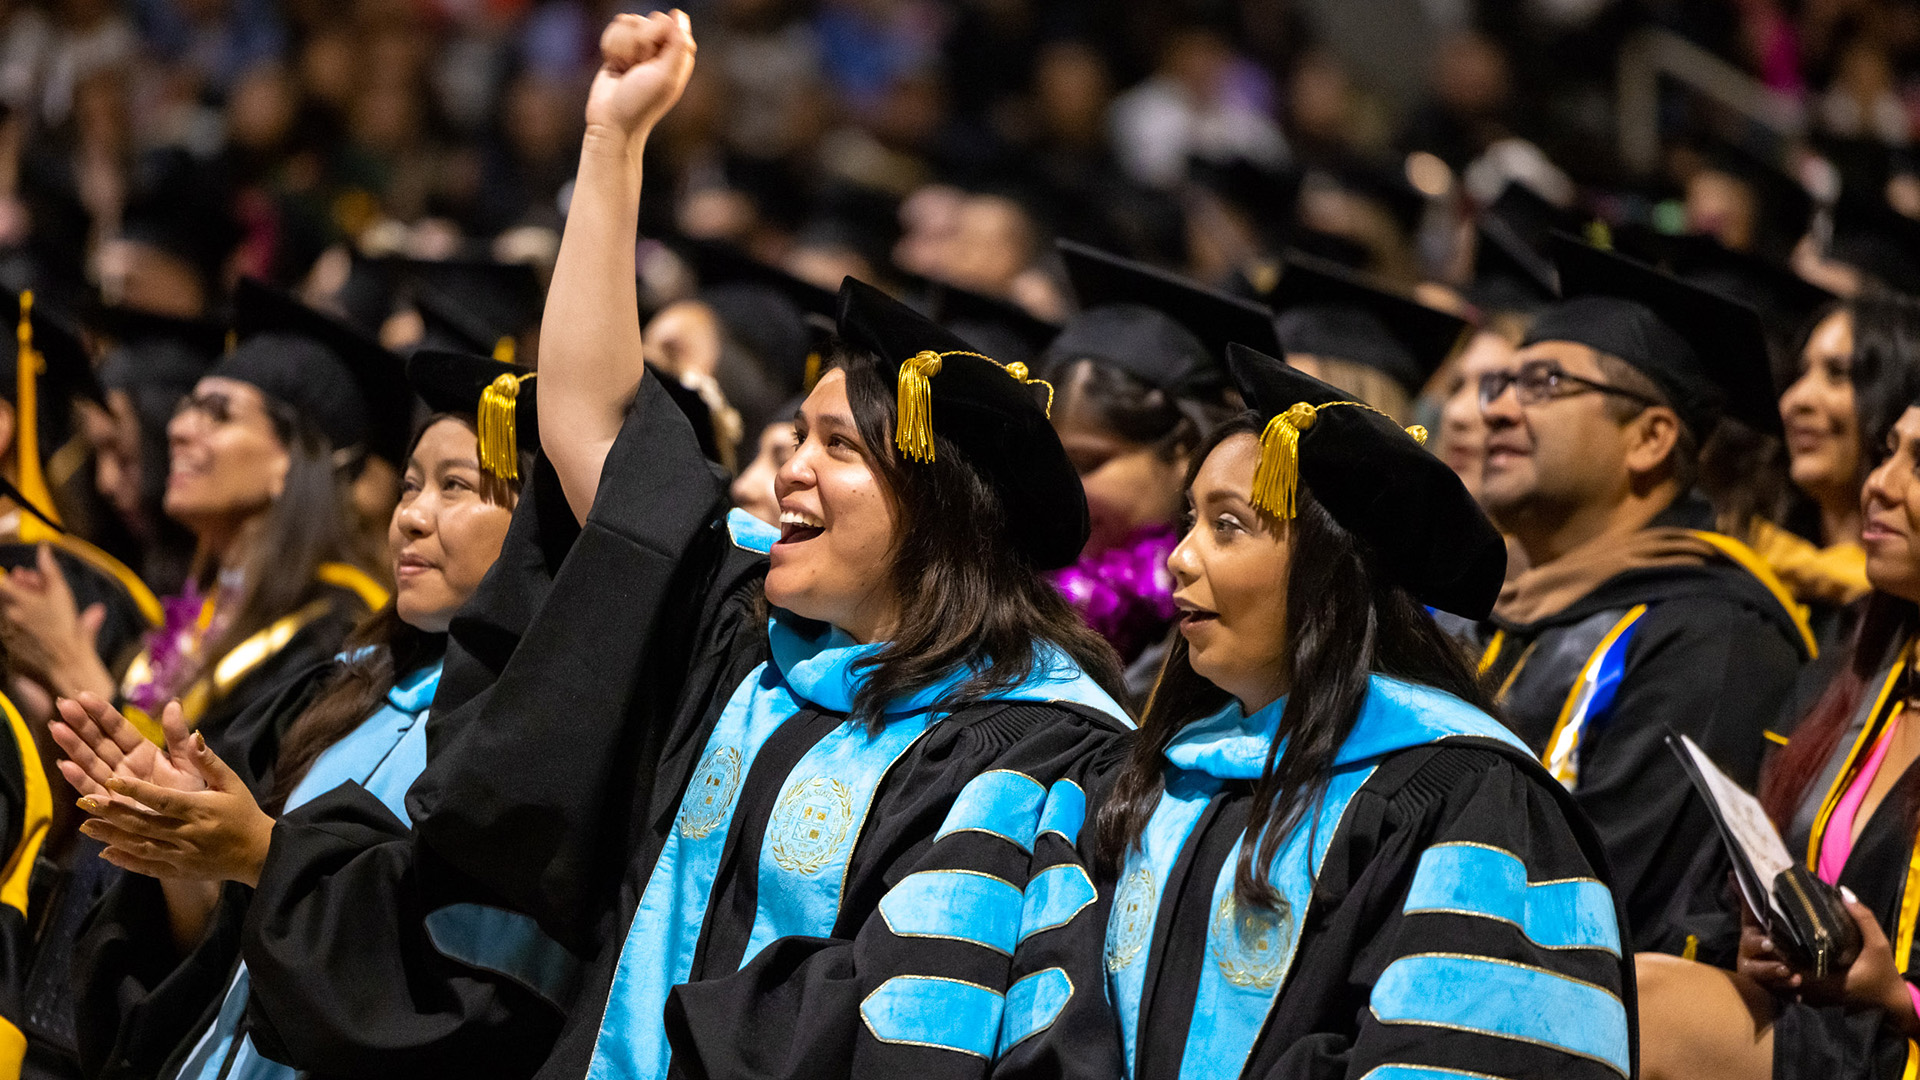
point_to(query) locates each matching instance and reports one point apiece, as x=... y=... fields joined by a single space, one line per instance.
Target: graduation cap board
x=1878 y=240
x=784 y=321
x=1007 y=331
x=1707 y=353
x=1781 y=297
x=473 y=305
x=1165 y=329
x=1326 y=310
x=988 y=412
x=1376 y=479
x=335 y=375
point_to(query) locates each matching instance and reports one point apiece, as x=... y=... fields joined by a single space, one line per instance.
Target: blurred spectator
x=1203 y=100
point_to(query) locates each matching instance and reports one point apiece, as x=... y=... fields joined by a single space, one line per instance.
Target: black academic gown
x=25 y=812
x=651 y=623
x=1362 y=931
x=1713 y=656
x=118 y=998
x=1830 y=1042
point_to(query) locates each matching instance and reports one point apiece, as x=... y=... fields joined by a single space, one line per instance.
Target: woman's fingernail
x=1848 y=893
x=199 y=742
x=89 y=804
x=1767 y=944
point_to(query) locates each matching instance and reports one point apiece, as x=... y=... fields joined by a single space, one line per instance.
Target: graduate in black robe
x=1636 y=617
x=762 y=864
x=227 y=646
x=1326 y=857
x=1843 y=793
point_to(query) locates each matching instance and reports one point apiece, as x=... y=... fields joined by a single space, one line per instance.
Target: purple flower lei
x=1125 y=593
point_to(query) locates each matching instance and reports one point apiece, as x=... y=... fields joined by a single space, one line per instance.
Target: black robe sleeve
x=138 y=1001
x=1710 y=670
x=347 y=978
x=1421 y=980
x=916 y=985
x=639 y=619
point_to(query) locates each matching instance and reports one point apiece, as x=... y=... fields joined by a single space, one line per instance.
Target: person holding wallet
x=1845 y=792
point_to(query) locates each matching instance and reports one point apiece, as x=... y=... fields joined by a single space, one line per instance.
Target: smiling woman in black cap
x=787 y=787
x=1322 y=848
x=259 y=458
x=356 y=722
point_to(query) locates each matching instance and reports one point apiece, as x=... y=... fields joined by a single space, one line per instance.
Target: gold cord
x=1276 y=480
x=913 y=430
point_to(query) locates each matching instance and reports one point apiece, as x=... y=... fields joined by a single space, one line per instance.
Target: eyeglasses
x=1543 y=381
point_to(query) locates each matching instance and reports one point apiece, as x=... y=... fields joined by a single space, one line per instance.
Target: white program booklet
x=1759 y=855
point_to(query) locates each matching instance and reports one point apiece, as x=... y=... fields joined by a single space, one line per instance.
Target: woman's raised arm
x=590 y=364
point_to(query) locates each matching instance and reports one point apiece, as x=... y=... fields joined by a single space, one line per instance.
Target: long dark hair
x=382 y=650
x=968 y=599
x=1346 y=620
x=303 y=528
x=1886 y=624
x=1886 y=366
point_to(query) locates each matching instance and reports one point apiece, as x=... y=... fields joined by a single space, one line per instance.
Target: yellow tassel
x=504 y=348
x=914 y=430
x=913 y=433
x=29 y=365
x=1277 y=479
x=499 y=437
x=811 y=374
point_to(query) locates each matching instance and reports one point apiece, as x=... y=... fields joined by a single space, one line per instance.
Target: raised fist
x=644 y=65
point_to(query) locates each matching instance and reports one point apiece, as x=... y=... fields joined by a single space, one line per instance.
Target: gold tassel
x=29 y=364
x=811 y=374
x=499 y=437
x=913 y=433
x=504 y=349
x=1277 y=478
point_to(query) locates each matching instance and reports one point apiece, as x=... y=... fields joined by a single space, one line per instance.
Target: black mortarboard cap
x=183 y=207
x=1707 y=353
x=1324 y=309
x=473 y=305
x=499 y=396
x=155 y=350
x=1783 y=299
x=335 y=375
x=1510 y=269
x=1119 y=299
x=1877 y=240
x=1383 y=184
x=778 y=317
x=1003 y=329
x=985 y=411
x=1378 y=481
x=41 y=392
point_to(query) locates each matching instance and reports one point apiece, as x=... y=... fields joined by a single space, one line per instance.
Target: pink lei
x=1125 y=593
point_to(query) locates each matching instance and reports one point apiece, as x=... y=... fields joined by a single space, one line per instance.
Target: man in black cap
x=1633 y=618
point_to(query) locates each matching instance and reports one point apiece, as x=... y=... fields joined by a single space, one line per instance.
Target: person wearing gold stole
x=1843 y=792
x=1326 y=856
x=260 y=456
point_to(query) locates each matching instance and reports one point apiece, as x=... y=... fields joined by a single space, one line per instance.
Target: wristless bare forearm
x=590 y=358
